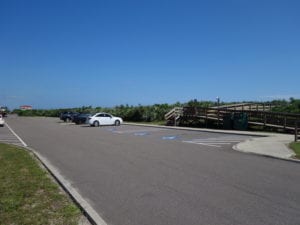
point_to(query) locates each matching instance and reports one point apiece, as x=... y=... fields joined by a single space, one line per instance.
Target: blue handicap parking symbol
x=141 y=133
x=169 y=137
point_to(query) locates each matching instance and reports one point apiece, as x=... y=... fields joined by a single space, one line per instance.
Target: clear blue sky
x=60 y=53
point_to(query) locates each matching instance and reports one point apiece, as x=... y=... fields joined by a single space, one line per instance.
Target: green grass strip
x=28 y=195
x=296 y=147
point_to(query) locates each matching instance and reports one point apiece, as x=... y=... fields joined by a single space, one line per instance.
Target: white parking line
x=17 y=136
x=213 y=142
x=211 y=145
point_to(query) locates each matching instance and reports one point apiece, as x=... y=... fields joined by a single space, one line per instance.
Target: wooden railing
x=175 y=112
x=174 y=115
x=258 y=117
x=246 y=107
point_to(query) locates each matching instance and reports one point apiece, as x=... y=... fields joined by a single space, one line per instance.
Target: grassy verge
x=296 y=147
x=27 y=193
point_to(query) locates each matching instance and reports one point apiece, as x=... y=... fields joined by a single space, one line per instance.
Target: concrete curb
x=92 y=216
x=265 y=155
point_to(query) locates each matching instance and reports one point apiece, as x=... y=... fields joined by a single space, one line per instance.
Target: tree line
x=290 y=106
x=152 y=113
x=139 y=113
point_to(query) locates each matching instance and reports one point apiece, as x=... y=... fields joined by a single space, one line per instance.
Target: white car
x=104 y=119
x=1 y=121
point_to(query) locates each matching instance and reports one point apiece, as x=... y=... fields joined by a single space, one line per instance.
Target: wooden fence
x=286 y=121
x=297 y=131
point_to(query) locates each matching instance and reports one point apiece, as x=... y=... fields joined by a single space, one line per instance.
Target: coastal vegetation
x=156 y=112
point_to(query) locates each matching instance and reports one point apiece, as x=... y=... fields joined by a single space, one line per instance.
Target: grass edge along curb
x=295 y=146
x=29 y=195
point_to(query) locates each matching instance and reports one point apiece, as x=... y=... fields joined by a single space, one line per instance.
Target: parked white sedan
x=1 y=121
x=104 y=119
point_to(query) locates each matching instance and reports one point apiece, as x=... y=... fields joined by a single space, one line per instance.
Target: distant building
x=26 y=107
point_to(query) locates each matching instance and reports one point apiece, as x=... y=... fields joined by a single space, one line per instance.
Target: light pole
x=218 y=101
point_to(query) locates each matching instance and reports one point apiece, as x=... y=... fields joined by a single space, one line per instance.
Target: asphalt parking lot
x=190 y=137
x=8 y=136
x=135 y=175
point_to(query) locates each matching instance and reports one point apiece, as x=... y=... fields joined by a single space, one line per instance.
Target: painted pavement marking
x=10 y=137
x=141 y=133
x=215 y=142
x=134 y=131
x=169 y=137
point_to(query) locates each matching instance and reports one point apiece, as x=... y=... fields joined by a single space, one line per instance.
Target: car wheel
x=96 y=124
x=117 y=123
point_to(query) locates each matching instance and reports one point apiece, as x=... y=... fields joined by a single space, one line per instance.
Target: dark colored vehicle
x=68 y=116
x=81 y=118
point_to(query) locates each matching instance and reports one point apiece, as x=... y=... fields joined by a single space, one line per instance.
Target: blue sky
x=56 y=54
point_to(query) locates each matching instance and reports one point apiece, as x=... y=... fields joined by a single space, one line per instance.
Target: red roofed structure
x=26 y=107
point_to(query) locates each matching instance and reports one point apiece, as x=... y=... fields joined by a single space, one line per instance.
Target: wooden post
x=296 y=130
x=176 y=114
x=206 y=109
x=218 y=117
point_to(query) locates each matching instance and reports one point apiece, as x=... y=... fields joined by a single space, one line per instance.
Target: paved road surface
x=147 y=176
x=7 y=135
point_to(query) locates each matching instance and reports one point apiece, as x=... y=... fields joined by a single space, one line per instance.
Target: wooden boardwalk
x=257 y=115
